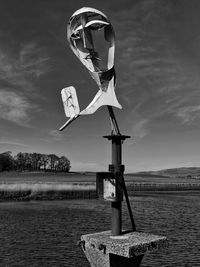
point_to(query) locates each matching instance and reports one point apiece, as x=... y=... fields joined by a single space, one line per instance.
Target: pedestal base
x=126 y=250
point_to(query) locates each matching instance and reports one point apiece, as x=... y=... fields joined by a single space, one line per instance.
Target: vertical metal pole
x=116 y=223
x=116 y=206
x=117 y=169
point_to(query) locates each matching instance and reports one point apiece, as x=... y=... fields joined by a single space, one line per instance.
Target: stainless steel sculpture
x=86 y=31
x=115 y=247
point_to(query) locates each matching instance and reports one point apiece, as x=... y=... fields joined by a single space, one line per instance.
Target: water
x=45 y=233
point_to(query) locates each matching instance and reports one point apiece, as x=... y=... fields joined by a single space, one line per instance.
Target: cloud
x=157 y=81
x=18 y=69
x=140 y=129
x=19 y=72
x=56 y=135
x=189 y=114
x=11 y=143
x=32 y=59
x=15 y=108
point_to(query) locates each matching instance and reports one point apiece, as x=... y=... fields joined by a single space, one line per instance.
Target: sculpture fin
x=70 y=101
x=71 y=105
x=103 y=98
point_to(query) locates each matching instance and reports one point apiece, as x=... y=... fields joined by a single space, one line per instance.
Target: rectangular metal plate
x=109 y=189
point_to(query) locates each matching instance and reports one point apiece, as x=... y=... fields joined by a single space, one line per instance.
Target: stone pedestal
x=126 y=250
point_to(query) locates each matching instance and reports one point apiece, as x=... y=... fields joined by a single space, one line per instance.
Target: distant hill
x=183 y=172
x=188 y=172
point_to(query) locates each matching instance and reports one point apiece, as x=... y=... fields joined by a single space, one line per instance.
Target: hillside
x=189 y=172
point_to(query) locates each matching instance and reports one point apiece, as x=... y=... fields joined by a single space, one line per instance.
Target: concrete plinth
x=128 y=249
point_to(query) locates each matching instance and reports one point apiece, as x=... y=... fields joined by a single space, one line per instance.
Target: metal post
x=116 y=206
x=116 y=223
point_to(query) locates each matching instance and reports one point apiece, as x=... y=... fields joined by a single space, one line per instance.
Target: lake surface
x=45 y=233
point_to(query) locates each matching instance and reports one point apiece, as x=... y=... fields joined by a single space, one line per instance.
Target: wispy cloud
x=189 y=114
x=140 y=129
x=15 y=108
x=155 y=79
x=19 y=72
x=55 y=135
x=11 y=143
x=32 y=59
x=18 y=69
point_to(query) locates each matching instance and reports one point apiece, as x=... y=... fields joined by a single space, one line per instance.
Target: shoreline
x=59 y=191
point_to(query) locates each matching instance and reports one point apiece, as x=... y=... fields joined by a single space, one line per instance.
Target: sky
x=157 y=63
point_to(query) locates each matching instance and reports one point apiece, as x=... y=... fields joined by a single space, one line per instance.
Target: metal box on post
x=108 y=186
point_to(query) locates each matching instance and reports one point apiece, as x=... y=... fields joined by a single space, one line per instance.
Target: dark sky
x=157 y=62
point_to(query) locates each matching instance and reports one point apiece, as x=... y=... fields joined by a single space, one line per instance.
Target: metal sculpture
x=85 y=26
x=115 y=247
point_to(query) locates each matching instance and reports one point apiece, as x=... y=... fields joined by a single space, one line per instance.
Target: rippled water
x=45 y=233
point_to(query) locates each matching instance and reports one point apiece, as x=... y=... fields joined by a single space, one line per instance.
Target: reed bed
x=162 y=187
x=39 y=187
x=51 y=186
x=19 y=192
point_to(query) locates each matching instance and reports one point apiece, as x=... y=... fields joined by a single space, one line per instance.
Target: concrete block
x=104 y=250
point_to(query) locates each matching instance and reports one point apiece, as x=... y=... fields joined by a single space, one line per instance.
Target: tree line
x=24 y=161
